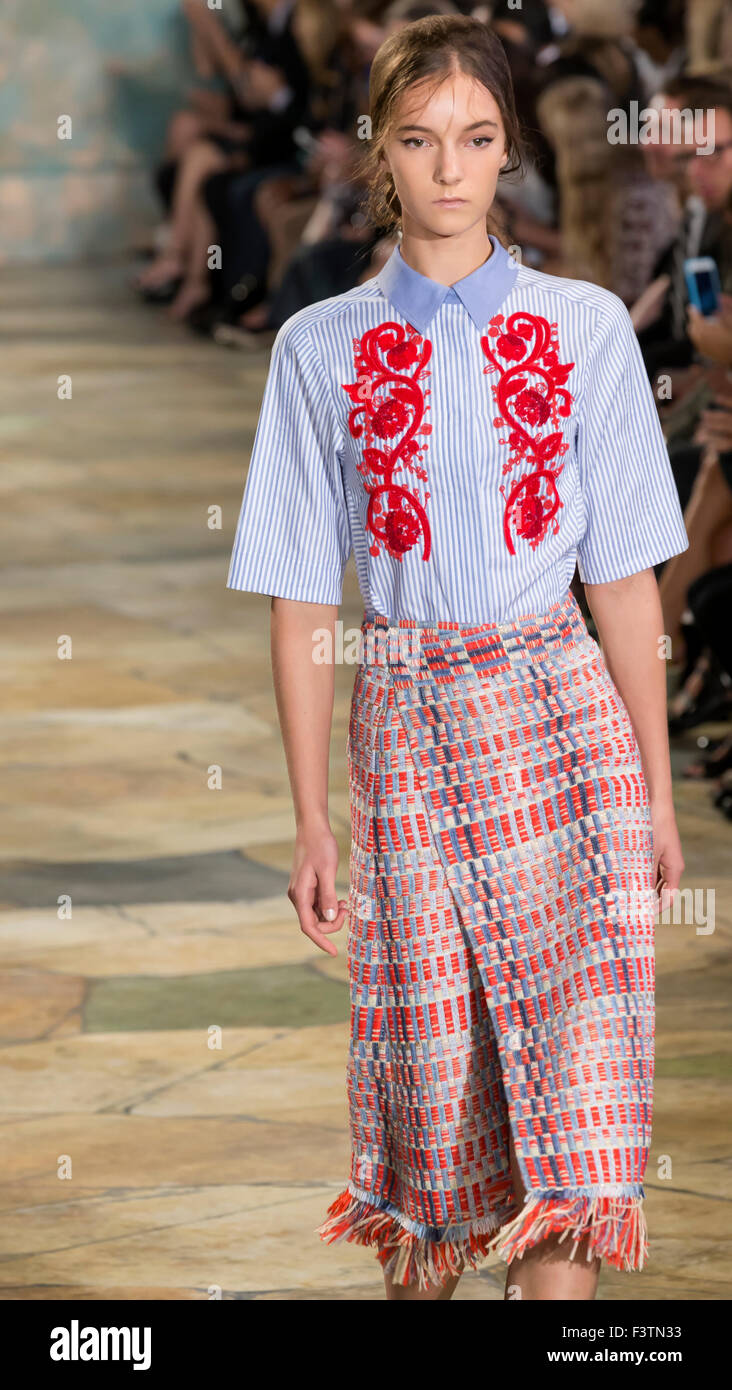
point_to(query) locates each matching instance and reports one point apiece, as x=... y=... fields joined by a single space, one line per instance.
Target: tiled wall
x=117 y=68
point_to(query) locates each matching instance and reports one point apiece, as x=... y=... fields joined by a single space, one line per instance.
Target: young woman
x=472 y=429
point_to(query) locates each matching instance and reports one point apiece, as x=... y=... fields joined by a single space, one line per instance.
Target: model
x=472 y=429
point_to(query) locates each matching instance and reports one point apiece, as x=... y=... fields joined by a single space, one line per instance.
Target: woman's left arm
x=629 y=621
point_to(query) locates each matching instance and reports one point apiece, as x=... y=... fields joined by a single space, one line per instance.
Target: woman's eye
x=416 y=140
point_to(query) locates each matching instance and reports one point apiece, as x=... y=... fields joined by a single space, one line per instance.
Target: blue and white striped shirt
x=469 y=444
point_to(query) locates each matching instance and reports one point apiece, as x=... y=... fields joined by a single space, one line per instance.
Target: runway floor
x=143 y=903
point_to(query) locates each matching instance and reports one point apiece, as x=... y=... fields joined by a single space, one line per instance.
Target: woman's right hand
x=712 y=335
x=311 y=888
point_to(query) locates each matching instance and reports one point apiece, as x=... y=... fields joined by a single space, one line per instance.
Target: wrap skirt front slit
x=500 y=948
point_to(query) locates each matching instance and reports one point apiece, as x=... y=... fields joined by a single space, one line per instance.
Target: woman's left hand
x=668 y=861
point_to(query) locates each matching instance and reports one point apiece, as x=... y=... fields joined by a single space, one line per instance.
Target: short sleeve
x=293 y=535
x=633 y=514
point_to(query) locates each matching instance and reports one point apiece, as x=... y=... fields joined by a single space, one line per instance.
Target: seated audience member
x=261 y=222
x=270 y=79
x=659 y=32
x=706 y=183
x=294 y=240
x=613 y=214
x=709 y=36
x=701 y=585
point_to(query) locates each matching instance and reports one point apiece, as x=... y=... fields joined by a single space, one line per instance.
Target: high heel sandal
x=161 y=294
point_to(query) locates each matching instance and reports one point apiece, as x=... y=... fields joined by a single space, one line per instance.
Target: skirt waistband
x=489 y=646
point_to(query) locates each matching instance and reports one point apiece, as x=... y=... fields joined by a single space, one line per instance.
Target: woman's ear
x=504 y=158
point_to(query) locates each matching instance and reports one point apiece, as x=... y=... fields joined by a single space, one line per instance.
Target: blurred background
x=176 y=180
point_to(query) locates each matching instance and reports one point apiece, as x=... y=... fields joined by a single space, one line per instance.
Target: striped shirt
x=469 y=444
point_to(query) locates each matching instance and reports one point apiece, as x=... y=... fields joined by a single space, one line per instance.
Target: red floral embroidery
x=529 y=393
x=390 y=361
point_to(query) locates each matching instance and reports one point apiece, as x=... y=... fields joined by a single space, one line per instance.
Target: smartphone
x=702 y=283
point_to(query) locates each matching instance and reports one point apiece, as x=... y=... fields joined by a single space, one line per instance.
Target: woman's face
x=448 y=145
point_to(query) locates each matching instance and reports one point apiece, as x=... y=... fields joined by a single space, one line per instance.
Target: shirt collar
x=417 y=298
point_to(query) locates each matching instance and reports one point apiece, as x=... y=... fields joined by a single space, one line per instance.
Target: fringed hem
x=615 y=1227
x=406 y=1251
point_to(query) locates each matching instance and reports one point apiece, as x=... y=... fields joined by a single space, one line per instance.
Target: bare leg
x=184 y=128
x=721 y=547
x=199 y=161
x=195 y=289
x=545 y=1271
x=410 y=1293
x=284 y=213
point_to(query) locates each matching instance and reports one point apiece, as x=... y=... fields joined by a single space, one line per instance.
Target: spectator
x=705 y=229
x=271 y=84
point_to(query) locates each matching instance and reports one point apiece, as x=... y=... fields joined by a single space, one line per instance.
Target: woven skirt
x=500 y=948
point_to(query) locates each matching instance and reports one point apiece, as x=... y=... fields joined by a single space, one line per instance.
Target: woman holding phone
x=472 y=429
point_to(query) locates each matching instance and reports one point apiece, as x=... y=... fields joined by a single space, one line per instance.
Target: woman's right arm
x=304 y=691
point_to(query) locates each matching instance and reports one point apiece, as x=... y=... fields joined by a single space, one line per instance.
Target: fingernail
x=330 y=914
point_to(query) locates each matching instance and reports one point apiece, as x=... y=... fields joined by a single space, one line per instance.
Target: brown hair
x=317 y=26
x=700 y=93
x=433 y=47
